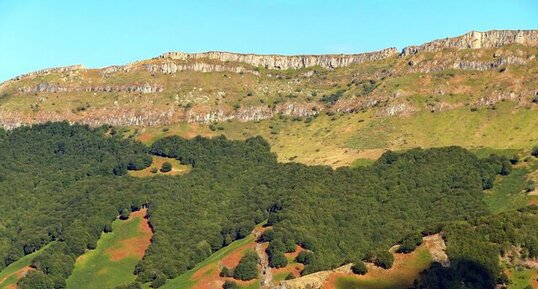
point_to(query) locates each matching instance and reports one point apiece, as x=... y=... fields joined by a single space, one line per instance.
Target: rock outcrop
x=286 y=62
x=477 y=40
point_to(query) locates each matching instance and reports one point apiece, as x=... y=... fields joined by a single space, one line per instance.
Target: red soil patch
x=233 y=259
x=135 y=246
x=200 y=273
x=533 y=202
x=20 y=273
x=294 y=268
x=293 y=255
x=145 y=137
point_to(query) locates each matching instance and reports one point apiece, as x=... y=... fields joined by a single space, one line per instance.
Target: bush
x=290 y=276
x=278 y=260
x=230 y=285
x=154 y=170
x=384 y=259
x=266 y=236
x=124 y=215
x=166 y=167
x=359 y=268
x=534 y=151
x=410 y=242
x=159 y=281
x=305 y=257
x=247 y=268
x=226 y=272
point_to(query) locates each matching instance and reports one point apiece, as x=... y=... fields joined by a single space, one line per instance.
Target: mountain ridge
x=471 y=40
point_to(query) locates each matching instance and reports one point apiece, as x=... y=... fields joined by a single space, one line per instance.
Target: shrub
x=226 y=272
x=124 y=215
x=159 y=281
x=305 y=257
x=266 y=236
x=534 y=151
x=410 y=242
x=278 y=260
x=384 y=259
x=359 y=268
x=154 y=170
x=247 y=268
x=230 y=285
x=166 y=167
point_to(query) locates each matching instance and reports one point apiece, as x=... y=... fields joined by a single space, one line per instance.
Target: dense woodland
x=64 y=184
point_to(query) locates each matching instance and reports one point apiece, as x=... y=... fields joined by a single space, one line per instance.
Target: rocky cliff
x=477 y=40
x=286 y=62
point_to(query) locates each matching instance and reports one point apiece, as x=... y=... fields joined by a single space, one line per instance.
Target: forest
x=64 y=184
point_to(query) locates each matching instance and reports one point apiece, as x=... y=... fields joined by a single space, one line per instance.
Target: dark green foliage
x=226 y=272
x=166 y=167
x=290 y=276
x=305 y=257
x=230 y=285
x=124 y=215
x=534 y=151
x=410 y=242
x=36 y=280
x=383 y=259
x=159 y=281
x=278 y=260
x=134 y=285
x=359 y=267
x=247 y=268
x=70 y=183
x=266 y=236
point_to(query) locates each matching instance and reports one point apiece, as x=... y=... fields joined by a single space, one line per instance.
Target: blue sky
x=38 y=34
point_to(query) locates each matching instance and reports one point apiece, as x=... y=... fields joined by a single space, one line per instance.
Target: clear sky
x=36 y=34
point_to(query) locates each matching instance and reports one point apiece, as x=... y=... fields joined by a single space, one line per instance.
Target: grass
x=8 y=276
x=185 y=280
x=508 y=191
x=98 y=269
x=341 y=139
x=177 y=168
x=520 y=278
x=406 y=269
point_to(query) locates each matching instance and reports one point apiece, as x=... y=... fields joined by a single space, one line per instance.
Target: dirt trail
x=266 y=277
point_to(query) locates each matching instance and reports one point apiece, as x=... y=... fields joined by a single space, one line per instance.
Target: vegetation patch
x=112 y=263
x=171 y=167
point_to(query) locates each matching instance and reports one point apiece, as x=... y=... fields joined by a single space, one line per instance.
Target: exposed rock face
x=286 y=62
x=476 y=40
x=51 y=70
x=54 y=87
x=170 y=67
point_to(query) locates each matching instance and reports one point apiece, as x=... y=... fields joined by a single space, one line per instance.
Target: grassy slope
x=96 y=269
x=8 y=276
x=508 y=193
x=342 y=139
x=406 y=269
x=186 y=279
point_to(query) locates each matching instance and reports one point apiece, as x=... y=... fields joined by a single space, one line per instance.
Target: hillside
x=398 y=168
x=317 y=109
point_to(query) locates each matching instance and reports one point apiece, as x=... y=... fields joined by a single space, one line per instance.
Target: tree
x=230 y=285
x=36 y=280
x=305 y=257
x=278 y=260
x=410 y=242
x=159 y=281
x=247 y=268
x=384 y=259
x=166 y=167
x=124 y=215
x=226 y=272
x=359 y=267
